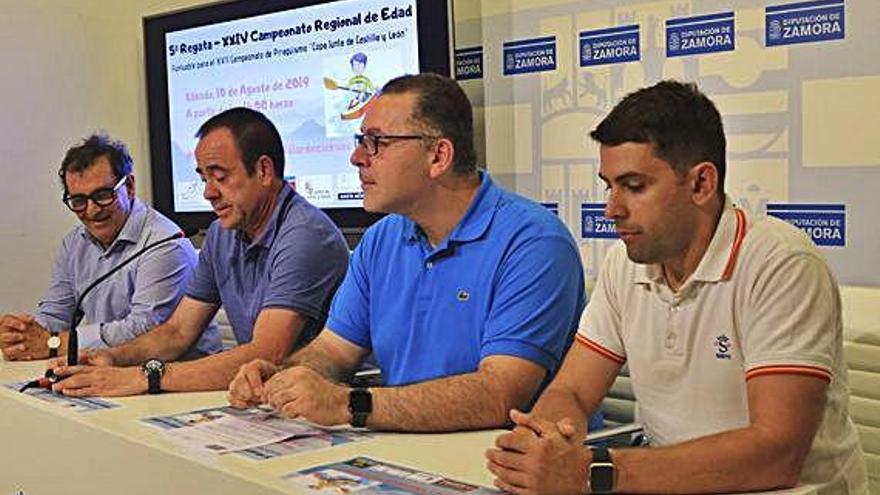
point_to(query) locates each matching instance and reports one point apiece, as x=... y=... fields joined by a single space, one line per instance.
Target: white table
x=47 y=450
x=50 y=450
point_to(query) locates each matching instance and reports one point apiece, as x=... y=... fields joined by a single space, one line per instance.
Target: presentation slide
x=313 y=71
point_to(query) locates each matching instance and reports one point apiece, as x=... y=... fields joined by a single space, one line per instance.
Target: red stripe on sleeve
x=778 y=369
x=617 y=358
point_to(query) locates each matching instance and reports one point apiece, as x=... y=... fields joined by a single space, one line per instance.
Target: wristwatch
x=600 y=472
x=54 y=344
x=360 y=405
x=153 y=370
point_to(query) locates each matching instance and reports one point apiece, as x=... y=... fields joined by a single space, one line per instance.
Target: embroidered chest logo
x=462 y=295
x=722 y=347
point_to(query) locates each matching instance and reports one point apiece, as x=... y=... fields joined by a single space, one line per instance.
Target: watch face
x=360 y=401
x=153 y=365
x=54 y=342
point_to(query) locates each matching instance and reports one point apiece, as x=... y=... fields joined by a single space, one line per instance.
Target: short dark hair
x=358 y=57
x=679 y=121
x=82 y=156
x=443 y=107
x=255 y=135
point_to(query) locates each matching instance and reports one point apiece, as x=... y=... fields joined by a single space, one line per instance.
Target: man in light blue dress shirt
x=99 y=189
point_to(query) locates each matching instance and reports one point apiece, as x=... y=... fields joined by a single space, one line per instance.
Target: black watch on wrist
x=360 y=405
x=600 y=472
x=54 y=343
x=153 y=370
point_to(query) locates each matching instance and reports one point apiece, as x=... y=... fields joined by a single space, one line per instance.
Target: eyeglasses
x=102 y=197
x=371 y=142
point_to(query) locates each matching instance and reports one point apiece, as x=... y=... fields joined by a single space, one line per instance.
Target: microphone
x=73 y=338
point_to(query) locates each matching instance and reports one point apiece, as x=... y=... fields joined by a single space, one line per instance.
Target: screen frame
x=435 y=35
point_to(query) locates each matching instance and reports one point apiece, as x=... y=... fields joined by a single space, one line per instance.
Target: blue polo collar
x=475 y=221
x=267 y=237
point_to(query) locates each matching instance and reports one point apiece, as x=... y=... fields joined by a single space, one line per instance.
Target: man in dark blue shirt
x=271 y=259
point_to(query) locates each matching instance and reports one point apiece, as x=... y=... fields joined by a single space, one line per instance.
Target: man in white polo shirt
x=730 y=324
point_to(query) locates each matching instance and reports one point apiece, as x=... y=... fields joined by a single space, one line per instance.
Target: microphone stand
x=73 y=335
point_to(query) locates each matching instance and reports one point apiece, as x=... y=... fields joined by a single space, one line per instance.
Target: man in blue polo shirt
x=271 y=259
x=467 y=295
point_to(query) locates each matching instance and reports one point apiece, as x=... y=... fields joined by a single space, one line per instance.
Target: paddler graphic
x=359 y=84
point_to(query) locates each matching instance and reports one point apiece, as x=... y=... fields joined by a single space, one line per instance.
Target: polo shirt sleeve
x=203 y=284
x=538 y=297
x=600 y=325
x=308 y=260
x=792 y=323
x=350 y=311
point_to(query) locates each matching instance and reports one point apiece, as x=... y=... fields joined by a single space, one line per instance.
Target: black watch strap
x=601 y=472
x=360 y=405
x=154 y=382
x=54 y=343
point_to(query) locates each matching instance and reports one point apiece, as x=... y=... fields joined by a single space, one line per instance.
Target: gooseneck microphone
x=73 y=337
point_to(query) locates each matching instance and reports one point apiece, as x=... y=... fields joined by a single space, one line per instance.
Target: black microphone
x=73 y=338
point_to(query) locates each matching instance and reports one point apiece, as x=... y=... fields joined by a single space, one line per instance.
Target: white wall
x=68 y=68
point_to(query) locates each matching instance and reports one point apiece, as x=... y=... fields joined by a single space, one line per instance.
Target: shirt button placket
x=671 y=323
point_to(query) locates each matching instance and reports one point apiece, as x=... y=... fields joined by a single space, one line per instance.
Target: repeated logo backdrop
x=797 y=83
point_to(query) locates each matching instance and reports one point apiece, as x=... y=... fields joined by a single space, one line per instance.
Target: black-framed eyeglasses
x=102 y=197
x=371 y=142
